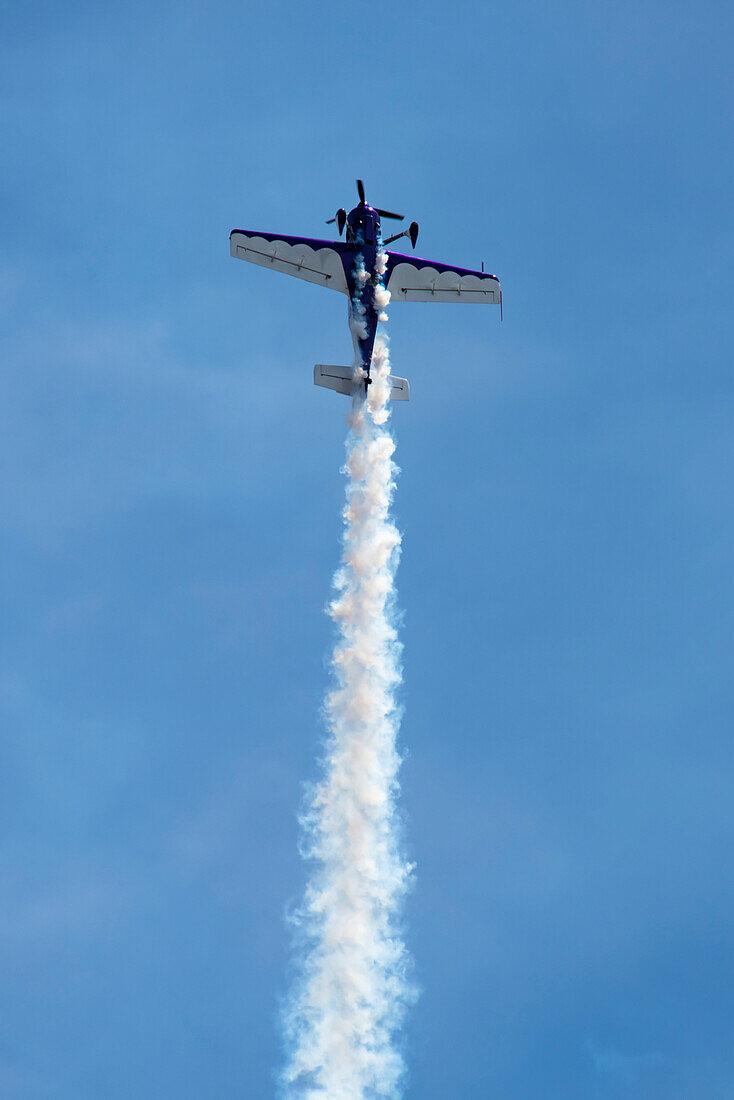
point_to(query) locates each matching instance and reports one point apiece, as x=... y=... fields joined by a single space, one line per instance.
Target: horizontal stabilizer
x=400 y=389
x=334 y=378
x=341 y=379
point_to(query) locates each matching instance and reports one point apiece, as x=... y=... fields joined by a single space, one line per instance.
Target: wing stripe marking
x=446 y=290
x=272 y=256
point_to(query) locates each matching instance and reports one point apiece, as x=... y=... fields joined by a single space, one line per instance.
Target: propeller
x=341 y=217
x=382 y=213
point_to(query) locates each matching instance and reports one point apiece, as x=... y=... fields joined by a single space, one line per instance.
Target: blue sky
x=170 y=518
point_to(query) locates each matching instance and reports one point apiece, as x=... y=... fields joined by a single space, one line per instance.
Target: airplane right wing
x=320 y=262
x=412 y=280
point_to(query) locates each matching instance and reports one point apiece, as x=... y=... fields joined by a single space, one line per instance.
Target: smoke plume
x=342 y=1019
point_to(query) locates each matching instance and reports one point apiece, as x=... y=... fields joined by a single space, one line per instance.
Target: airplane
x=360 y=266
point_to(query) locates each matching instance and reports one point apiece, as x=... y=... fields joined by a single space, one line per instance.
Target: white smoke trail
x=353 y=991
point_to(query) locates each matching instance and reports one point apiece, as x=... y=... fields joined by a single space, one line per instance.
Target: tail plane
x=341 y=380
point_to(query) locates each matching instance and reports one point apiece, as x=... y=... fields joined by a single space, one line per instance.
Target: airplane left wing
x=316 y=261
x=412 y=280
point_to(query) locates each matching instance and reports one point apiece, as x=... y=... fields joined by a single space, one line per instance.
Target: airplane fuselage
x=363 y=231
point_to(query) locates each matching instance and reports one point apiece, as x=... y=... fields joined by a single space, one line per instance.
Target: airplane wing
x=412 y=280
x=319 y=262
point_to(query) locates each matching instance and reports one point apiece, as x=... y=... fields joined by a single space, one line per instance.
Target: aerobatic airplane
x=354 y=267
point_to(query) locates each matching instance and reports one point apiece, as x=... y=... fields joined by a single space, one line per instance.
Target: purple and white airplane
x=359 y=267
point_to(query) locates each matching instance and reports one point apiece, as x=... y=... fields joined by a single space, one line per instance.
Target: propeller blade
x=360 y=190
x=388 y=214
x=330 y=221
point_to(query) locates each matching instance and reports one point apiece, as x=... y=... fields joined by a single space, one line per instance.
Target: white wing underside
x=322 y=266
x=426 y=284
